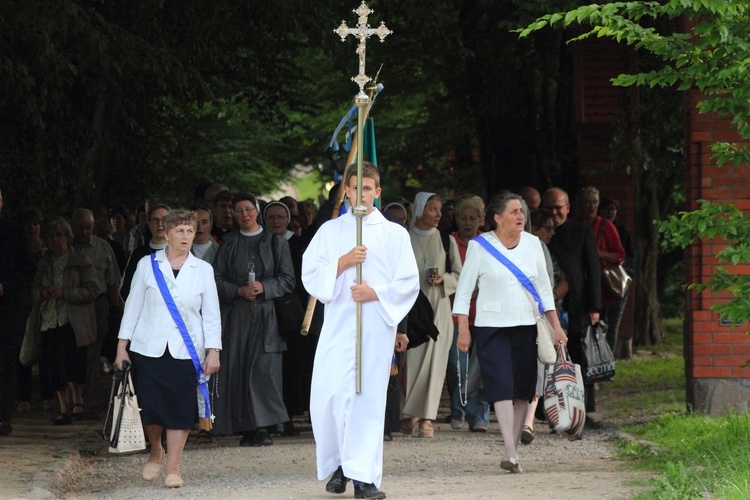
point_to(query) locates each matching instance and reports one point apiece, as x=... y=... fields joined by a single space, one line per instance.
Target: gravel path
x=455 y=464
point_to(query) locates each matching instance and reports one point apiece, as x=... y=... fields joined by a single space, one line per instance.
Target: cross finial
x=362 y=32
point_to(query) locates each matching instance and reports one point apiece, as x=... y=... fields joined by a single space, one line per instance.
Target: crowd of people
x=96 y=291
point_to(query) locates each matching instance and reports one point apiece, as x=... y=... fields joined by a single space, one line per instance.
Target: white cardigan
x=146 y=321
x=501 y=301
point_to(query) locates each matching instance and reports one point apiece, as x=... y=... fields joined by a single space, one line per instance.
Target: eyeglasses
x=276 y=217
x=248 y=210
x=156 y=221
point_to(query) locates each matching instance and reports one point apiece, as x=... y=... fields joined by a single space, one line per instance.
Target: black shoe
x=337 y=483
x=290 y=430
x=5 y=428
x=275 y=430
x=367 y=490
x=387 y=436
x=62 y=419
x=262 y=438
x=248 y=439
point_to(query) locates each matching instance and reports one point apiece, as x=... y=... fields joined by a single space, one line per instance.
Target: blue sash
x=204 y=402
x=522 y=278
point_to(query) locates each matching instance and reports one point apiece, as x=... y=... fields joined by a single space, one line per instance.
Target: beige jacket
x=80 y=292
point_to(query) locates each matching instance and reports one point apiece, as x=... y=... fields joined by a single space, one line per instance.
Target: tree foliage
x=712 y=57
x=109 y=102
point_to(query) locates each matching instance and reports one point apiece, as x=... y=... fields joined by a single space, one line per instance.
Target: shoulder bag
x=125 y=433
x=614 y=276
x=564 y=396
x=545 y=337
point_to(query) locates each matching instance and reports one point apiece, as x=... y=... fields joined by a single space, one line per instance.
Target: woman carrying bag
x=505 y=324
x=173 y=325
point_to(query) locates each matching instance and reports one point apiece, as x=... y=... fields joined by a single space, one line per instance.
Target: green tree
x=711 y=57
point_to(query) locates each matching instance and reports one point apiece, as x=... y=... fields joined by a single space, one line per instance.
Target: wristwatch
x=215 y=349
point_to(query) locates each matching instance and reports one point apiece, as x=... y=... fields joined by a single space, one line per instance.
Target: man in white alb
x=348 y=427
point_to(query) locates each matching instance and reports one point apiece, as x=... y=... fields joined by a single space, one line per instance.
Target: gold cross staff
x=362 y=32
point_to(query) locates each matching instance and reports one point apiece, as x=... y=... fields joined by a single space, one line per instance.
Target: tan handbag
x=126 y=433
x=545 y=336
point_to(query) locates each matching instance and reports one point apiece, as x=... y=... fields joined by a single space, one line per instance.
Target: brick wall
x=714 y=353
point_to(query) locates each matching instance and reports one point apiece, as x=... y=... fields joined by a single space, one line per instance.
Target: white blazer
x=146 y=321
x=501 y=301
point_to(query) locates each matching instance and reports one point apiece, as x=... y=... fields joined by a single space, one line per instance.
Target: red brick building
x=714 y=352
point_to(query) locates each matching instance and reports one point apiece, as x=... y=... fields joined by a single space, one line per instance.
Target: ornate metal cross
x=362 y=32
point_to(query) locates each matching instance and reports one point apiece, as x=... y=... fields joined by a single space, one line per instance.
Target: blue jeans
x=476 y=410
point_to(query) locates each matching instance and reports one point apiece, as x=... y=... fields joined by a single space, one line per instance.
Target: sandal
x=204 y=437
x=61 y=419
x=527 y=435
x=407 y=426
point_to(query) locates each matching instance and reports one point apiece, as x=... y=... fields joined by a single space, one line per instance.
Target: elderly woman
x=166 y=349
x=426 y=364
x=505 y=324
x=611 y=253
x=469 y=218
x=252 y=268
x=621 y=346
x=65 y=288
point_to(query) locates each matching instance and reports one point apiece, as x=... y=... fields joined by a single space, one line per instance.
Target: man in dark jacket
x=574 y=247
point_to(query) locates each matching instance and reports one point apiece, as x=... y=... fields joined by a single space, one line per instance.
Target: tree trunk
x=647 y=326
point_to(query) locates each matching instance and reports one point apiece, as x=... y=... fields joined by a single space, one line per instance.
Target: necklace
x=180 y=264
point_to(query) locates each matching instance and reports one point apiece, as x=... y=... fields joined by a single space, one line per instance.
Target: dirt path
x=456 y=464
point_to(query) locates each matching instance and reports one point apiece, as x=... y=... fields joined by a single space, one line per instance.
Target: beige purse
x=545 y=336
x=126 y=433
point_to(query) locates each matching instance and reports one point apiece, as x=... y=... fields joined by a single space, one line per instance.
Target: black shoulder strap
x=446 y=239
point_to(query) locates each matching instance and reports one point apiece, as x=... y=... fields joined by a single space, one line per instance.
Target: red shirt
x=462 y=252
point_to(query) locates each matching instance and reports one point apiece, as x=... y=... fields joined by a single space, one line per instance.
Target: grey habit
x=250 y=381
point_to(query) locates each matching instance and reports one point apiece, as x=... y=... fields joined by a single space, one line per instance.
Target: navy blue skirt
x=507 y=358
x=167 y=391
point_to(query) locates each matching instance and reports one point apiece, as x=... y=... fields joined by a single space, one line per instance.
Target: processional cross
x=362 y=32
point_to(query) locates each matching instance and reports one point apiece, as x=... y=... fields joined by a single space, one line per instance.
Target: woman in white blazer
x=165 y=373
x=505 y=323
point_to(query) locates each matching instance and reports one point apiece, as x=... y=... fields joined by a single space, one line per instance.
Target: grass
x=696 y=456
x=650 y=384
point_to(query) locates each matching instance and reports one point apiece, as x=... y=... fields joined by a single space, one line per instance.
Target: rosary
x=463 y=397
